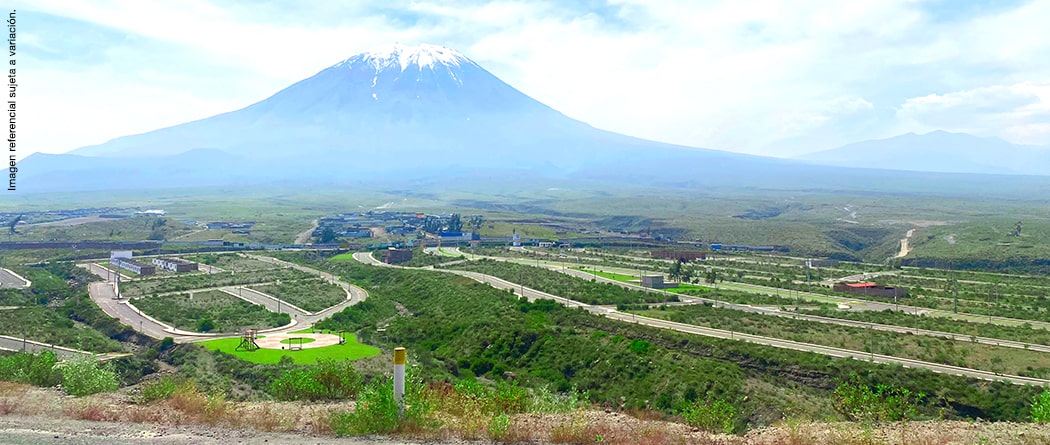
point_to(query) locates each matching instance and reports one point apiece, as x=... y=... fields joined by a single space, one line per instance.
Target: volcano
x=405 y=112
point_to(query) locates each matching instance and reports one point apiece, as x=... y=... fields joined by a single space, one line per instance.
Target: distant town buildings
x=230 y=225
x=134 y=266
x=396 y=256
x=175 y=264
x=680 y=255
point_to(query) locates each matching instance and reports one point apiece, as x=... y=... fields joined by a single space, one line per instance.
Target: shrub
x=328 y=379
x=376 y=412
x=1041 y=407
x=162 y=388
x=205 y=325
x=34 y=369
x=85 y=376
x=547 y=401
x=717 y=416
x=858 y=401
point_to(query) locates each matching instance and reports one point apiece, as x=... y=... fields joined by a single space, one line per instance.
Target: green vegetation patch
x=210 y=311
x=460 y=328
x=351 y=350
x=312 y=295
x=153 y=286
x=51 y=326
x=961 y=352
x=230 y=262
x=557 y=283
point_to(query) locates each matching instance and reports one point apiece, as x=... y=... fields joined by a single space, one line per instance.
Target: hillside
x=939 y=151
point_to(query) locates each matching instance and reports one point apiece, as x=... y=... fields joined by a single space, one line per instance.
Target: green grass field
x=352 y=350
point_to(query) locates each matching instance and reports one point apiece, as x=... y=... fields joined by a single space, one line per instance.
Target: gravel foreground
x=21 y=430
x=25 y=430
x=45 y=416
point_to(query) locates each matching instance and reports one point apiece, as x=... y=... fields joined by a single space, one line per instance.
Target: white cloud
x=1019 y=112
x=732 y=75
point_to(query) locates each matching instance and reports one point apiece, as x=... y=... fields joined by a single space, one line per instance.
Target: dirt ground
x=31 y=415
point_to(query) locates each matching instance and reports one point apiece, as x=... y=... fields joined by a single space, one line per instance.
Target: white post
x=400 y=356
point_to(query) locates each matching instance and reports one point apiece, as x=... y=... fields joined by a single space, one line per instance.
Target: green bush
x=85 y=376
x=1041 y=407
x=163 y=388
x=34 y=369
x=328 y=379
x=884 y=403
x=376 y=412
x=717 y=416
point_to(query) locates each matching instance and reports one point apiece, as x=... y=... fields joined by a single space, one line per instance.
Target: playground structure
x=248 y=341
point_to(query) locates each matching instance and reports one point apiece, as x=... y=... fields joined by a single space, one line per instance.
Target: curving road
x=11 y=280
x=533 y=294
x=104 y=295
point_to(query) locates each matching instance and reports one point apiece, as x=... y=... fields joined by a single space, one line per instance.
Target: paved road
x=11 y=280
x=103 y=295
x=533 y=294
x=819 y=319
x=765 y=310
x=854 y=303
x=8 y=343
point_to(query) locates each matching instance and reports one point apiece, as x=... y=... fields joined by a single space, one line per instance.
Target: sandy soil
x=46 y=416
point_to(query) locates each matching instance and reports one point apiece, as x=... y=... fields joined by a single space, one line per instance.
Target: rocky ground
x=31 y=415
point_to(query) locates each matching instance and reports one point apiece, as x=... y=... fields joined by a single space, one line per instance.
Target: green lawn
x=352 y=350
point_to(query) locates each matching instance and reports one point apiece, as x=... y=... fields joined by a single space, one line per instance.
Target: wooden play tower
x=248 y=341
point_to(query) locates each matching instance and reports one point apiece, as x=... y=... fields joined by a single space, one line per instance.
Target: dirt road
x=304 y=237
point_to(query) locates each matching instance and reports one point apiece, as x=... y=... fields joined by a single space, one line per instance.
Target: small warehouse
x=134 y=266
x=175 y=264
x=397 y=256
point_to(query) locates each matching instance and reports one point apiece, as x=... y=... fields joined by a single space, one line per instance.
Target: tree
x=712 y=276
x=327 y=235
x=455 y=224
x=14 y=222
x=675 y=271
x=476 y=221
x=432 y=224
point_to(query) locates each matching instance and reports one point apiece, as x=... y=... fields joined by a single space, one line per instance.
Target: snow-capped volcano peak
x=404 y=56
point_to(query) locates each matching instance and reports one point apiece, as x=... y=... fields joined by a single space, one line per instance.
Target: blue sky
x=764 y=77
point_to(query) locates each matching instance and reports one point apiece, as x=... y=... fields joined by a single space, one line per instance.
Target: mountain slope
x=417 y=105
x=939 y=151
x=400 y=114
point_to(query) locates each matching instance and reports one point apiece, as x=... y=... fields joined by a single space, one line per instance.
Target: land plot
x=311 y=295
x=210 y=311
x=230 y=262
x=939 y=350
x=160 y=285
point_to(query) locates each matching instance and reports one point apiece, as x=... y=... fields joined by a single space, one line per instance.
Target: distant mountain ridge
x=939 y=151
x=427 y=114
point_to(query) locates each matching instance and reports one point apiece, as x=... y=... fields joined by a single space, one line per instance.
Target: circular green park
x=351 y=350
